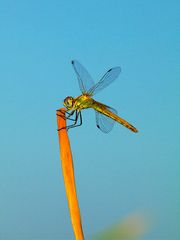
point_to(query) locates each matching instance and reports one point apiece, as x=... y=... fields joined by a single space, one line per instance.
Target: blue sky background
x=116 y=173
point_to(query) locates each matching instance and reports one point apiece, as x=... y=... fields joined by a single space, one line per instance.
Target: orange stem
x=68 y=174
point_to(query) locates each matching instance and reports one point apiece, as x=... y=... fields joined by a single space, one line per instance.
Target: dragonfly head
x=69 y=102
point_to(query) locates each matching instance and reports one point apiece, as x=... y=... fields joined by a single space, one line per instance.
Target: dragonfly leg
x=61 y=113
x=78 y=114
x=69 y=116
x=67 y=113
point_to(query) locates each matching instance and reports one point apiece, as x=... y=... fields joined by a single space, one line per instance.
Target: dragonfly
x=105 y=116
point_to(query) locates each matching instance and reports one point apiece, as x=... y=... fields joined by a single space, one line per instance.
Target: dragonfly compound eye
x=68 y=102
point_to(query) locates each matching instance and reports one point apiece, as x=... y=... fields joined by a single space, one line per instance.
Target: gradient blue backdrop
x=117 y=173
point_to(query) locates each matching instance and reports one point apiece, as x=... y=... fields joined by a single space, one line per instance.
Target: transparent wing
x=104 y=123
x=107 y=79
x=84 y=79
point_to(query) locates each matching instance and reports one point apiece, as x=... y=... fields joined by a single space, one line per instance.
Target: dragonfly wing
x=104 y=123
x=84 y=79
x=107 y=79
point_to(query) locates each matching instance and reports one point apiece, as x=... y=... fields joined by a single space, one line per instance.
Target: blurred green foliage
x=134 y=227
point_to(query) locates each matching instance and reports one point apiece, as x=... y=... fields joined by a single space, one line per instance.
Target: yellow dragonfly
x=105 y=115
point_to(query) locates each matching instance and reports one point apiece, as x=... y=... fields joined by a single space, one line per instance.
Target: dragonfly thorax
x=69 y=102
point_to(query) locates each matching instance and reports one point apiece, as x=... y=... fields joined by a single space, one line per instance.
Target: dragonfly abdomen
x=103 y=110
